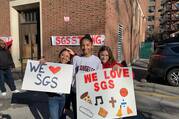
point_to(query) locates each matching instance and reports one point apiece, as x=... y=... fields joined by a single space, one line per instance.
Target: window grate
x=120 y=38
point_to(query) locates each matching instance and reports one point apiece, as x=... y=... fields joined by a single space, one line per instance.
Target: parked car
x=164 y=63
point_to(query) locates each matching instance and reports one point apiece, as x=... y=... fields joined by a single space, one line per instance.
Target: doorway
x=29 y=37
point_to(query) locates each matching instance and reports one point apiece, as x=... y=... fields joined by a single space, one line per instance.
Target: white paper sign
x=48 y=77
x=75 y=40
x=106 y=94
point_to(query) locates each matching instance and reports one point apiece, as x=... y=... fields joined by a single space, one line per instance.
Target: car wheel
x=173 y=77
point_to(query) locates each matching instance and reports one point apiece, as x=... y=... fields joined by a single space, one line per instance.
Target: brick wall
x=157 y=17
x=119 y=12
x=156 y=14
x=86 y=16
x=4 y=18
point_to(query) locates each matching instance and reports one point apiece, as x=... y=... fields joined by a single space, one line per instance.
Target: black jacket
x=6 y=60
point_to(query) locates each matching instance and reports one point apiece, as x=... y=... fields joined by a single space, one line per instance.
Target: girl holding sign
x=107 y=58
x=85 y=63
x=57 y=101
x=108 y=61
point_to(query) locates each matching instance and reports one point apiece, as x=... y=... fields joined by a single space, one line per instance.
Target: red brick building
x=32 y=23
x=4 y=18
x=153 y=19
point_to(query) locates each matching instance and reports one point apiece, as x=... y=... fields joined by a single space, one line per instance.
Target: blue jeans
x=6 y=76
x=56 y=106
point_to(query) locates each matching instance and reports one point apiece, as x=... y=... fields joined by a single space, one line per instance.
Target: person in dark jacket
x=6 y=63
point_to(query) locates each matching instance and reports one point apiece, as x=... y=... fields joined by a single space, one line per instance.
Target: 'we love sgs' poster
x=105 y=94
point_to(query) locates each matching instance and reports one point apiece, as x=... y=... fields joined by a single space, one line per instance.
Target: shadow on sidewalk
x=5 y=116
x=36 y=101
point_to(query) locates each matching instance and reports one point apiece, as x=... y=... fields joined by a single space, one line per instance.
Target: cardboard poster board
x=106 y=94
x=48 y=77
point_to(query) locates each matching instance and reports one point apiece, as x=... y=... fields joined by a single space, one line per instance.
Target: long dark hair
x=108 y=49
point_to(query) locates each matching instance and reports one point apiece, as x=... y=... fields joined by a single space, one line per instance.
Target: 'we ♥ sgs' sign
x=48 y=77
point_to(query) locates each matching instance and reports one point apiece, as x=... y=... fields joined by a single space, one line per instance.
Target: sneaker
x=15 y=91
x=143 y=80
x=3 y=93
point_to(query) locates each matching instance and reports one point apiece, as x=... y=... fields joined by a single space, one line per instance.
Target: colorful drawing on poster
x=86 y=97
x=124 y=105
x=54 y=69
x=112 y=101
x=123 y=92
x=119 y=112
x=129 y=110
x=86 y=112
x=102 y=112
x=98 y=98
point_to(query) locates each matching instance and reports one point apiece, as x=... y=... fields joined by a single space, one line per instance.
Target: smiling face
x=86 y=47
x=64 y=57
x=104 y=56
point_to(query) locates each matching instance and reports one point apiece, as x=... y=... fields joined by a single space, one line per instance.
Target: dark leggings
x=74 y=102
x=6 y=76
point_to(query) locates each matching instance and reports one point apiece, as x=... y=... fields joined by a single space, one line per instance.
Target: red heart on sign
x=54 y=70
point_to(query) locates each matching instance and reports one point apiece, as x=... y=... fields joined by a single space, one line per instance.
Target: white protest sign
x=48 y=77
x=106 y=94
x=75 y=40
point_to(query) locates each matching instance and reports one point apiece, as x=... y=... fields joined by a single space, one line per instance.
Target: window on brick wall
x=151 y=9
x=151 y=18
x=150 y=28
x=28 y=16
x=177 y=5
x=151 y=0
x=120 y=38
x=177 y=26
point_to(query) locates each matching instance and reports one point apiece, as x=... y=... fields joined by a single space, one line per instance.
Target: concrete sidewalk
x=13 y=111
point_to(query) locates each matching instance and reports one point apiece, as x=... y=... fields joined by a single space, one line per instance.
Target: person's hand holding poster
x=105 y=94
x=48 y=77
